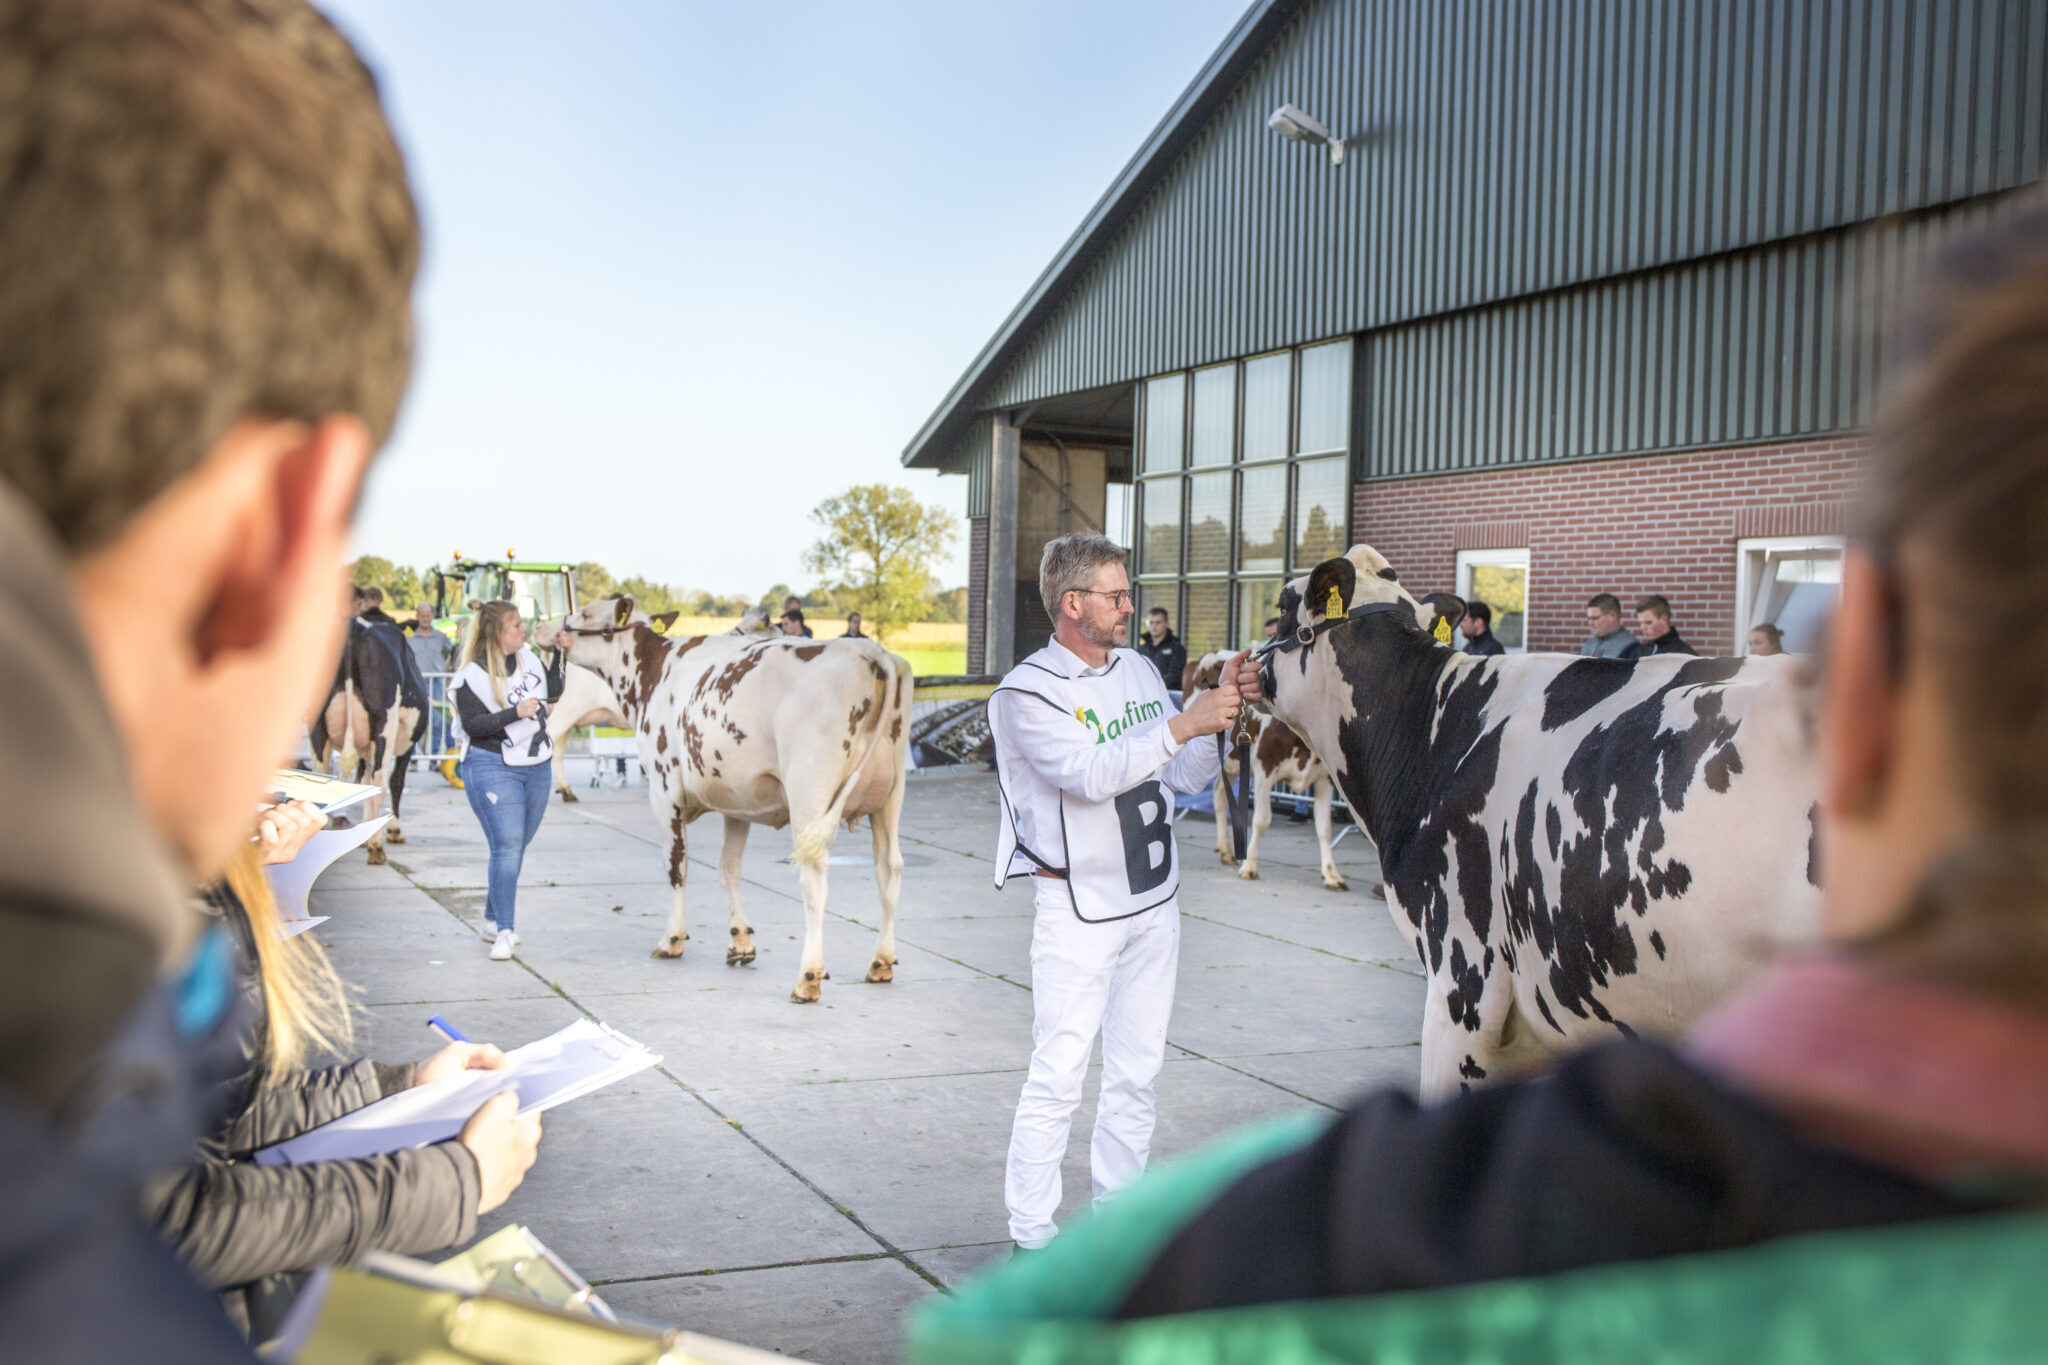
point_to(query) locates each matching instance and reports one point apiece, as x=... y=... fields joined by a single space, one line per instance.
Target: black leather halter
x=1267 y=654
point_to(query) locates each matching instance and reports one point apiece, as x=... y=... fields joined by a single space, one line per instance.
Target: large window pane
x=1144 y=597
x=1258 y=599
x=1116 y=513
x=1322 y=489
x=1265 y=406
x=1262 y=543
x=1325 y=397
x=1165 y=409
x=1207 y=625
x=1161 y=551
x=1209 y=522
x=1215 y=414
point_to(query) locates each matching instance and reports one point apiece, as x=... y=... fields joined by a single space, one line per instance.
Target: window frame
x=1469 y=560
x=1746 y=574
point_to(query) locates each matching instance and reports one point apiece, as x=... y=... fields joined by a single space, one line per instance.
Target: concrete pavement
x=797 y=1177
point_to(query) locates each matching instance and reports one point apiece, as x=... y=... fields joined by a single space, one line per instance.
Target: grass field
x=934 y=648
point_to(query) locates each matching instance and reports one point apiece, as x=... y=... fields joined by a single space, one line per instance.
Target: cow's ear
x=1439 y=613
x=1330 y=588
x=622 y=611
x=664 y=620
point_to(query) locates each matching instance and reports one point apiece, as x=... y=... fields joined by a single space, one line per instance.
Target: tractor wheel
x=452 y=771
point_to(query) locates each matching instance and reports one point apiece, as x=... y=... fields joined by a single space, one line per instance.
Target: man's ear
x=1860 y=705
x=666 y=619
x=622 y=612
x=1330 y=588
x=1439 y=614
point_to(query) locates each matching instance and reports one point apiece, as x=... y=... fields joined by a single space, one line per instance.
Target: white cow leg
x=1262 y=816
x=671 y=944
x=1455 y=1058
x=739 y=950
x=811 y=967
x=1324 y=790
x=1220 y=801
x=888 y=880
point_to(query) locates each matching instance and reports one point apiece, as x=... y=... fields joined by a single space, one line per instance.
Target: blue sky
x=692 y=268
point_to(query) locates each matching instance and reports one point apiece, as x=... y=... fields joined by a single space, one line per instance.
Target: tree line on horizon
x=874 y=556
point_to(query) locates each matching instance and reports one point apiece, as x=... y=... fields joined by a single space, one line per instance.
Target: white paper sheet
x=553 y=1070
x=292 y=882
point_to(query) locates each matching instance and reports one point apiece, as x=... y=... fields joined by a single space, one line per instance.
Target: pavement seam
x=889 y=1249
x=853 y=1258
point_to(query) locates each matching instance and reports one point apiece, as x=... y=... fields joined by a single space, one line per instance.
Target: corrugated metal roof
x=1502 y=150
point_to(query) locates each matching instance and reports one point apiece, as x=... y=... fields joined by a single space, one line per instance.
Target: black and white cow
x=373 y=717
x=1579 y=848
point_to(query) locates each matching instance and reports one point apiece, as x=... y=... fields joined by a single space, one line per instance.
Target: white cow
x=766 y=730
x=586 y=699
x=1278 y=755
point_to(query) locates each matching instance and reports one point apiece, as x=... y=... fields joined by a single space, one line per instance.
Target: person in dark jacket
x=205 y=330
x=1896 y=1074
x=1162 y=648
x=1657 y=634
x=1477 y=627
x=251 y=1229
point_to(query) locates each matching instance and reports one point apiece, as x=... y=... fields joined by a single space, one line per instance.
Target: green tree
x=880 y=542
x=649 y=596
x=402 y=586
x=771 y=601
x=594 y=581
x=950 y=605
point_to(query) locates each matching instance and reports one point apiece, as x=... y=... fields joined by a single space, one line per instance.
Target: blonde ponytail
x=303 y=997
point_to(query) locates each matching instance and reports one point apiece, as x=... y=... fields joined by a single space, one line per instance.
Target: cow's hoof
x=1249 y=872
x=1336 y=884
x=393 y=835
x=569 y=797
x=1227 y=860
x=669 y=947
x=807 y=990
x=880 y=971
x=376 y=856
x=1379 y=891
x=735 y=958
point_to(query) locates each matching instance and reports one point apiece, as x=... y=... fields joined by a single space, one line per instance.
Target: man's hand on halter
x=1217 y=708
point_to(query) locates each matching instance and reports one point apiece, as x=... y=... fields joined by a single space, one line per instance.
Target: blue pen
x=445 y=1029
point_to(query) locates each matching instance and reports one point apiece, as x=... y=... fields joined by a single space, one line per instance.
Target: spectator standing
x=1610 y=639
x=793 y=623
x=434 y=653
x=1477 y=627
x=1659 y=636
x=1163 y=649
x=853 y=626
x=502 y=696
x=1766 y=639
x=794 y=606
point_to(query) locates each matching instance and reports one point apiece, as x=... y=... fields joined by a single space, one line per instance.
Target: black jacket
x=1484 y=643
x=1169 y=656
x=1624 y=1153
x=234 y=1222
x=1671 y=642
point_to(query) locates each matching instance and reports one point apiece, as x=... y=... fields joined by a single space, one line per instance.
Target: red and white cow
x=766 y=730
x=1278 y=755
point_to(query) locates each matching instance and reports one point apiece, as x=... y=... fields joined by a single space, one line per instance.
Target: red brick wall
x=977 y=594
x=1656 y=523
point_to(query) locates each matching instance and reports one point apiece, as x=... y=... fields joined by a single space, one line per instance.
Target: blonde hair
x=486 y=628
x=304 y=1000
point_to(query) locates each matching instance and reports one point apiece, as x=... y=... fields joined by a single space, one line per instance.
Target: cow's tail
x=814 y=840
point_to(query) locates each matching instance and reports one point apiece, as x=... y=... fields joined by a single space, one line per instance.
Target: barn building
x=1592 y=298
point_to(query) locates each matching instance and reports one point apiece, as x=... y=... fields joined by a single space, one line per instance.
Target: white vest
x=1116 y=858
x=526 y=741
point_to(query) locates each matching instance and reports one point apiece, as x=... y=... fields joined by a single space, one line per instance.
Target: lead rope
x=1235 y=798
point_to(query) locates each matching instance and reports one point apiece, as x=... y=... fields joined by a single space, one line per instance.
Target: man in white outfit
x=1087 y=744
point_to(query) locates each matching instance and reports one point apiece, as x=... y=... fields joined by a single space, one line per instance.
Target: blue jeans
x=509 y=803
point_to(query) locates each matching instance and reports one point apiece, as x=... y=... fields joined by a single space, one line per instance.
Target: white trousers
x=1114 y=978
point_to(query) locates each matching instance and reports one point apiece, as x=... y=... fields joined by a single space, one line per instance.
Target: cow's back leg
x=811 y=975
x=1220 y=801
x=672 y=938
x=888 y=880
x=739 y=948
x=392 y=833
x=1455 y=1055
x=561 y=772
x=1262 y=816
x=404 y=721
x=1325 y=791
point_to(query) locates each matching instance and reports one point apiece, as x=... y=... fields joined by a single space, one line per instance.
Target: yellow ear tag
x=1442 y=631
x=1336 y=606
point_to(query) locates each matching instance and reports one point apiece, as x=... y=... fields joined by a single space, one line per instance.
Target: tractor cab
x=542 y=591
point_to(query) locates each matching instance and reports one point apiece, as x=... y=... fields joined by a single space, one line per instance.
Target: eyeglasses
x=1121 y=598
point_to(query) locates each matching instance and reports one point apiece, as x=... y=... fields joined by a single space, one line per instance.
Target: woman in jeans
x=501 y=698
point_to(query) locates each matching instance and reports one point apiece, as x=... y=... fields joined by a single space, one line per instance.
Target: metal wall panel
x=1503 y=148
x=972 y=457
x=1777 y=342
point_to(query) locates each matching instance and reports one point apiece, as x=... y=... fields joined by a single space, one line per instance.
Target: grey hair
x=1070 y=562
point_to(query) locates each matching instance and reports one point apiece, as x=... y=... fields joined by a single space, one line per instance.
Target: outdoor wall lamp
x=1289 y=121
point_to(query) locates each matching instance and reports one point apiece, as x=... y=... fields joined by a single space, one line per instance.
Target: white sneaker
x=501 y=951
x=489 y=929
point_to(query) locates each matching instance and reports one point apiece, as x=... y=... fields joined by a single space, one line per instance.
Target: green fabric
x=1973 y=1290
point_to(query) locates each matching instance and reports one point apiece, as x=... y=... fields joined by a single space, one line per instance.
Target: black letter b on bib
x=1147 y=820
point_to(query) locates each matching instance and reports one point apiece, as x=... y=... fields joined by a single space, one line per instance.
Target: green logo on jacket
x=1135 y=713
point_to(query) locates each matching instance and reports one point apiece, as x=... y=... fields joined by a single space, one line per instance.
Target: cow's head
x=1331 y=592
x=597 y=624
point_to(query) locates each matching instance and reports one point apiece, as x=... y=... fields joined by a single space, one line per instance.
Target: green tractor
x=543 y=592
